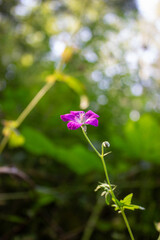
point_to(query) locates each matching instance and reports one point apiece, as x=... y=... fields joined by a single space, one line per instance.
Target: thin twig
x=15 y=171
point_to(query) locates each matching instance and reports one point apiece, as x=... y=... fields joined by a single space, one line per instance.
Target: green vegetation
x=63 y=55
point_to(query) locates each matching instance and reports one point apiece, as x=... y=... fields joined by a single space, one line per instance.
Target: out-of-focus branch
x=44 y=89
x=90 y=226
x=15 y=171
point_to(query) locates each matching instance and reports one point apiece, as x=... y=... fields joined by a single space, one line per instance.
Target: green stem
x=30 y=107
x=107 y=177
x=102 y=159
x=34 y=102
x=3 y=143
x=108 y=181
x=127 y=224
x=27 y=111
x=90 y=142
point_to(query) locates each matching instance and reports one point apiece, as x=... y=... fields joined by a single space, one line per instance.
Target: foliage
x=111 y=66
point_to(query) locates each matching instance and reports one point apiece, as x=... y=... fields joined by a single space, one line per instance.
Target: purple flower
x=76 y=119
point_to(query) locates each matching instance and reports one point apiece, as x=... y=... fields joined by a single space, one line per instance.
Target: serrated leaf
x=127 y=200
x=126 y=203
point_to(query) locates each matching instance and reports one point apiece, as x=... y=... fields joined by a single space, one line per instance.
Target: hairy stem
x=90 y=142
x=108 y=181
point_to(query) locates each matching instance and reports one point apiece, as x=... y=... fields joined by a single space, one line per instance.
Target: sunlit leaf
x=133 y=207
x=126 y=203
x=72 y=82
x=16 y=139
x=127 y=200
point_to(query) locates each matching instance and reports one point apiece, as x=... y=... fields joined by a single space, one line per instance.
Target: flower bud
x=106 y=144
x=67 y=54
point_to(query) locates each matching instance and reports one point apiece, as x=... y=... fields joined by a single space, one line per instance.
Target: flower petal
x=77 y=113
x=92 y=121
x=91 y=114
x=67 y=117
x=74 y=125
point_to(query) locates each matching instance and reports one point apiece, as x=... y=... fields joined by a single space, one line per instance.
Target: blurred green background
x=111 y=66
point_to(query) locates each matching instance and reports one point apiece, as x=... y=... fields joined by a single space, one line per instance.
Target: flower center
x=81 y=118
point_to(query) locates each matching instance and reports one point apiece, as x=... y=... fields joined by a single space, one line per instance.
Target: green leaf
x=133 y=207
x=126 y=203
x=37 y=143
x=72 y=82
x=77 y=157
x=117 y=204
x=140 y=140
x=127 y=200
x=16 y=139
x=12 y=218
x=108 y=198
x=43 y=200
